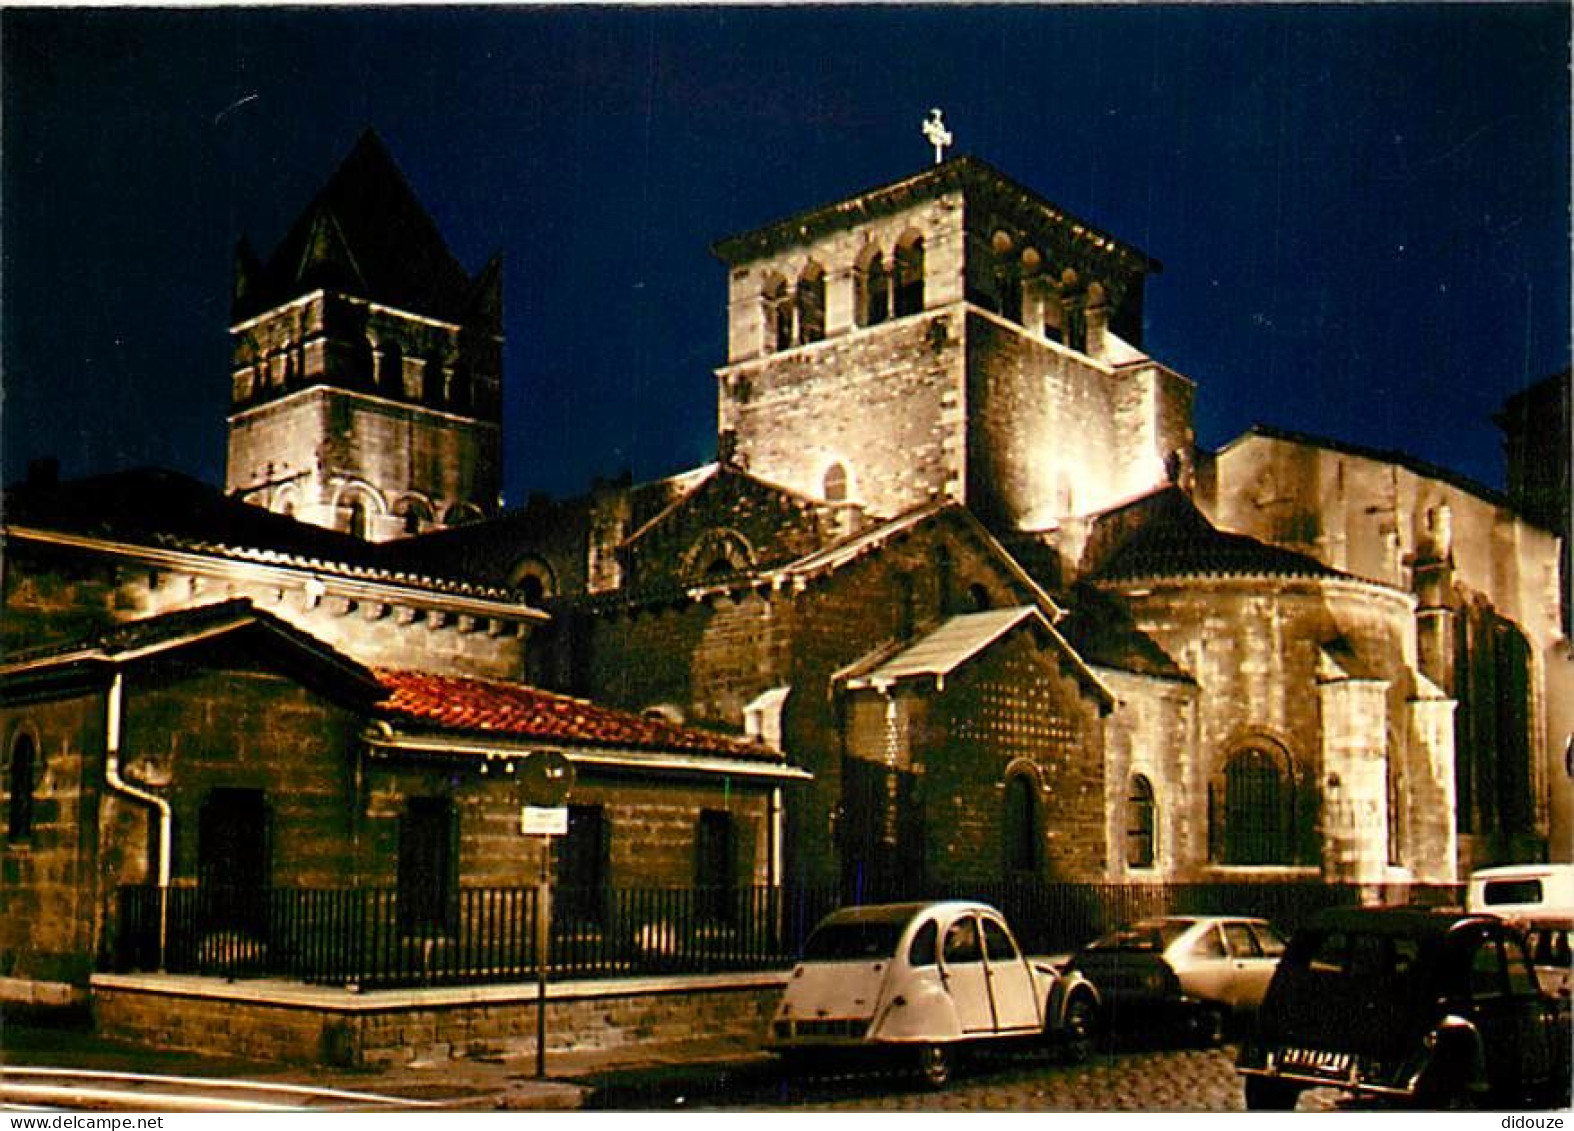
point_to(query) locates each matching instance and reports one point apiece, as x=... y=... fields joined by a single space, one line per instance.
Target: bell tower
x=366 y=365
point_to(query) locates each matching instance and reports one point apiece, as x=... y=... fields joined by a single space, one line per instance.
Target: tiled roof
x=471 y=705
x=1174 y=539
x=162 y=508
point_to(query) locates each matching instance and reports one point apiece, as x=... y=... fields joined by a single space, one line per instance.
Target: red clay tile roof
x=463 y=703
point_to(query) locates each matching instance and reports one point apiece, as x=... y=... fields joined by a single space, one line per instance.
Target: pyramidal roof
x=365 y=233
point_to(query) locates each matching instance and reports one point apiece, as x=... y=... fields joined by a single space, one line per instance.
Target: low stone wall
x=277 y=1021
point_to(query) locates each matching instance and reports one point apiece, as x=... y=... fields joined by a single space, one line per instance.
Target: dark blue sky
x=1363 y=212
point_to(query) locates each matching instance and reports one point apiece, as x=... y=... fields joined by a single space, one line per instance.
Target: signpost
x=543 y=788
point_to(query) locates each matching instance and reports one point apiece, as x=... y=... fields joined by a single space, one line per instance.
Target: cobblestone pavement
x=1157 y=1080
x=1170 y=1080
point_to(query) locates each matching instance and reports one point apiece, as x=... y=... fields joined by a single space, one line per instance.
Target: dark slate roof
x=1173 y=539
x=366 y=234
x=1379 y=455
x=483 y=706
x=1100 y=628
x=160 y=508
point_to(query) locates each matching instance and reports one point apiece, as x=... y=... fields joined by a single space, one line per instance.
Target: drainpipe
x=774 y=857
x=165 y=816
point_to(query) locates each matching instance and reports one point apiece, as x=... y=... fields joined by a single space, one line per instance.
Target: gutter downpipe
x=165 y=815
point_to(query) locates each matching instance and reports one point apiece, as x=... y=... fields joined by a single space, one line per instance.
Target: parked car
x=922 y=980
x=1198 y=970
x=1428 y=1006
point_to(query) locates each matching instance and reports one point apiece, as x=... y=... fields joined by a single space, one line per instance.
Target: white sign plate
x=537 y=821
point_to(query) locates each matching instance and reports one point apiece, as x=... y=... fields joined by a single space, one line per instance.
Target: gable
x=731 y=523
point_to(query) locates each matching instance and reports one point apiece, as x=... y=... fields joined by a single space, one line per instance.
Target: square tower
x=953 y=335
x=367 y=365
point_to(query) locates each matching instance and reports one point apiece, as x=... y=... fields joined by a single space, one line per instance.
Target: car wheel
x=935 y=1065
x=1263 y=1094
x=1078 y=1028
x=1205 y=1026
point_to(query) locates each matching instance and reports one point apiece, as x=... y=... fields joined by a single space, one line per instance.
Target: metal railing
x=359 y=936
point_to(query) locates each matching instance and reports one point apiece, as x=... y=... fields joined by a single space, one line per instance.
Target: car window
x=1269 y=940
x=1329 y=953
x=1240 y=941
x=1486 y=969
x=1521 y=978
x=1549 y=946
x=1208 y=944
x=925 y=945
x=843 y=942
x=997 y=943
x=961 y=941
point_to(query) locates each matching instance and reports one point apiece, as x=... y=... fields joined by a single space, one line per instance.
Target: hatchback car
x=1427 y=1006
x=923 y=979
x=1199 y=970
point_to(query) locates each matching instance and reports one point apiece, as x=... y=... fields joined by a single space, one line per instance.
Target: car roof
x=899 y=912
x=1430 y=921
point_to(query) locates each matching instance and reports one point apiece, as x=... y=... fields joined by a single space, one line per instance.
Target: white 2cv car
x=923 y=978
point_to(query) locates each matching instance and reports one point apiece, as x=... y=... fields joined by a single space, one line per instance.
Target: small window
x=21 y=785
x=835 y=484
x=925 y=945
x=961 y=942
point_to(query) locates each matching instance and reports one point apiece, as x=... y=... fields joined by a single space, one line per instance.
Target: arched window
x=461 y=388
x=811 y=304
x=1019 y=825
x=534 y=579
x=432 y=379
x=872 y=286
x=21 y=783
x=777 y=312
x=908 y=291
x=1264 y=816
x=1139 y=823
x=835 y=484
x=356 y=523
x=360 y=363
x=390 y=369
x=416 y=514
x=1008 y=277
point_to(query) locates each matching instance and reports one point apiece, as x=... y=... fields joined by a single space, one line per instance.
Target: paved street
x=1151 y=1079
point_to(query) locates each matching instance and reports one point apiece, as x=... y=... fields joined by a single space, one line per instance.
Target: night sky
x=1363 y=212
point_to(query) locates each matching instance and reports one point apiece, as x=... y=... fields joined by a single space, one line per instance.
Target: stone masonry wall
x=357 y=1031
x=885 y=402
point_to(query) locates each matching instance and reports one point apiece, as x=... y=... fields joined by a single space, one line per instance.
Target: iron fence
x=358 y=937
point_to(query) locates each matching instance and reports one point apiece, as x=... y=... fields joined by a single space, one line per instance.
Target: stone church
x=960 y=598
